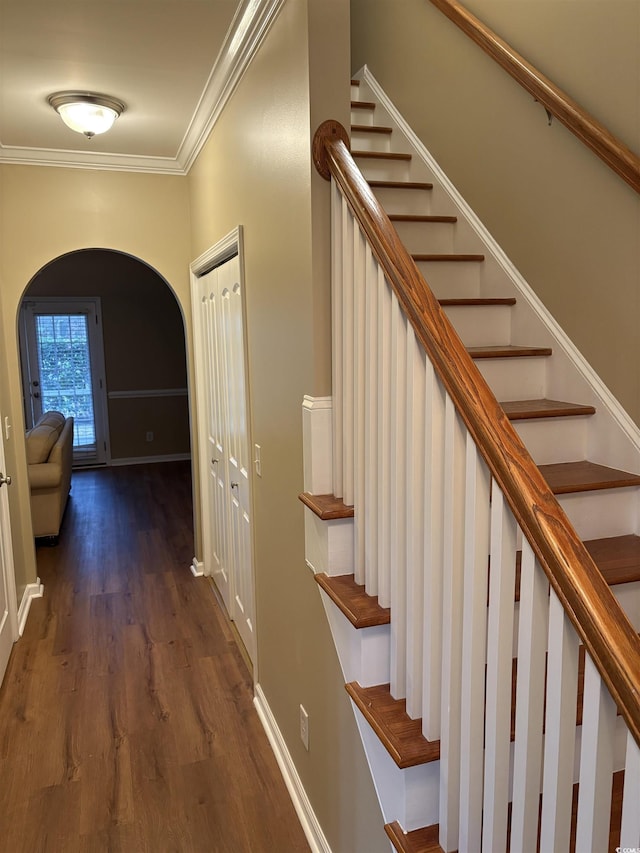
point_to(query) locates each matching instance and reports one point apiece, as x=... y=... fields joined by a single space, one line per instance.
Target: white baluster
x=435 y=404
x=415 y=521
x=474 y=644
x=384 y=440
x=359 y=417
x=348 y=346
x=560 y=729
x=398 y=406
x=338 y=211
x=499 y=672
x=630 y=827
x=371 y=492
x=452 y=571
x=532 y=659
x=596 y=762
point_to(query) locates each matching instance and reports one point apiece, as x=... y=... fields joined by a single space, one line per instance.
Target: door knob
x=234 y=485
x=5 y=480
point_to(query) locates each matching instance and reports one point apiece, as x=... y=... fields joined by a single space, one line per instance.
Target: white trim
x=197 y=568
x=142 y=460
x=609 y=402
x=246 y=33
x=31 y=591
x=225 y=248
x=240 y=46
x=310 y=824
x=148 y=392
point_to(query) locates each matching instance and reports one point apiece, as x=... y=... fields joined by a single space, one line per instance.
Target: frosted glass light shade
x=86 y=113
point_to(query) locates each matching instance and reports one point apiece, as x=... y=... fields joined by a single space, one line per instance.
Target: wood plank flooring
x=126 y=715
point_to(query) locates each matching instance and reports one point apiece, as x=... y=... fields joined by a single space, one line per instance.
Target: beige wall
x=47 y=212
x=567 y=222
x=144 y=346
x=256 y=171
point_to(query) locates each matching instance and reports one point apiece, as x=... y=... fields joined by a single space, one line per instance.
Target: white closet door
x=238 y=459
x=229 y=537
x=212 y=364
x=8 y=618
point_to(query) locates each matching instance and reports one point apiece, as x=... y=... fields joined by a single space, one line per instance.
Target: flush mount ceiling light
x=86 y=112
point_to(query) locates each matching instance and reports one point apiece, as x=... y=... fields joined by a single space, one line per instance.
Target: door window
x=62 y=367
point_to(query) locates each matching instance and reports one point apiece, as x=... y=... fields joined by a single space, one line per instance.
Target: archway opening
x=144 y=381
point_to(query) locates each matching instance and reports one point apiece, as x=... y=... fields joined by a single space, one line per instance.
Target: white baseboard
x=143 y=460
x=312 y=829
x=32 y=590
x=197 y=568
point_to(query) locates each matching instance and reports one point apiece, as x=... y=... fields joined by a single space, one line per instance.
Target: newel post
x=329 y=131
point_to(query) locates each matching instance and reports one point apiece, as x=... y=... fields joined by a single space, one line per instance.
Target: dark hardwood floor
x=126 y=715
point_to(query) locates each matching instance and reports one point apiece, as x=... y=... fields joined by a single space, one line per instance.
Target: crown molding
x=250 y=25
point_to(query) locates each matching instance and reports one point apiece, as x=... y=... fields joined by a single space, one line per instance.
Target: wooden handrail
x=611 y=150
x=594 y=611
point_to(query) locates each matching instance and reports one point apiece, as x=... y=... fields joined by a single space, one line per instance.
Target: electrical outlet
x=257 y=460
x=304 y=727
x=149 y=436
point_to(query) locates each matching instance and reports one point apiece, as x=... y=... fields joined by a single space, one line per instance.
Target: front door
x=8 y=619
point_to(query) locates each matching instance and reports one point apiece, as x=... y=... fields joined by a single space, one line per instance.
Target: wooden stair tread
x=476 y=300
x=617 y=558
x=363 y=105
x=584 y=476
x=508 y=351
x=381 y=155
x=400 y=735
x=455 y=258
x=517 y=410
x=355 y=82
x=400 y=185
x=326 y=507
x=424 y=840
x=362 y=610
x=371 y=128
x=409 y=217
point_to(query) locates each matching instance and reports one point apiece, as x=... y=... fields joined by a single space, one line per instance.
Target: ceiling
x=172 y=62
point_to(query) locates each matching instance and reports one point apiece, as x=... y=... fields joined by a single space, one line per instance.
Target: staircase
x=436 y=599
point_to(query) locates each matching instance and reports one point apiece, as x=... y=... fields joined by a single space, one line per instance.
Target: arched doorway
x=145 y=388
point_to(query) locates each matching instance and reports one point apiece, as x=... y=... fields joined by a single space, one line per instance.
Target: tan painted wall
x=256 y=171
x=144 y=346
x=47 y=212
x=567 y=222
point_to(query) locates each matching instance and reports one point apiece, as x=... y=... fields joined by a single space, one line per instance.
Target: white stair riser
x=595 y=515
x=363 y=141
x=363 y=652
x=384 y=170
x=361 y=116
x=410 y=796
x=432 y=237
x=328 y=544
x=628 y=594
x=515 y=378
x=452 y=279
x=551 y=440
x=416 y=202
x=481 y=325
